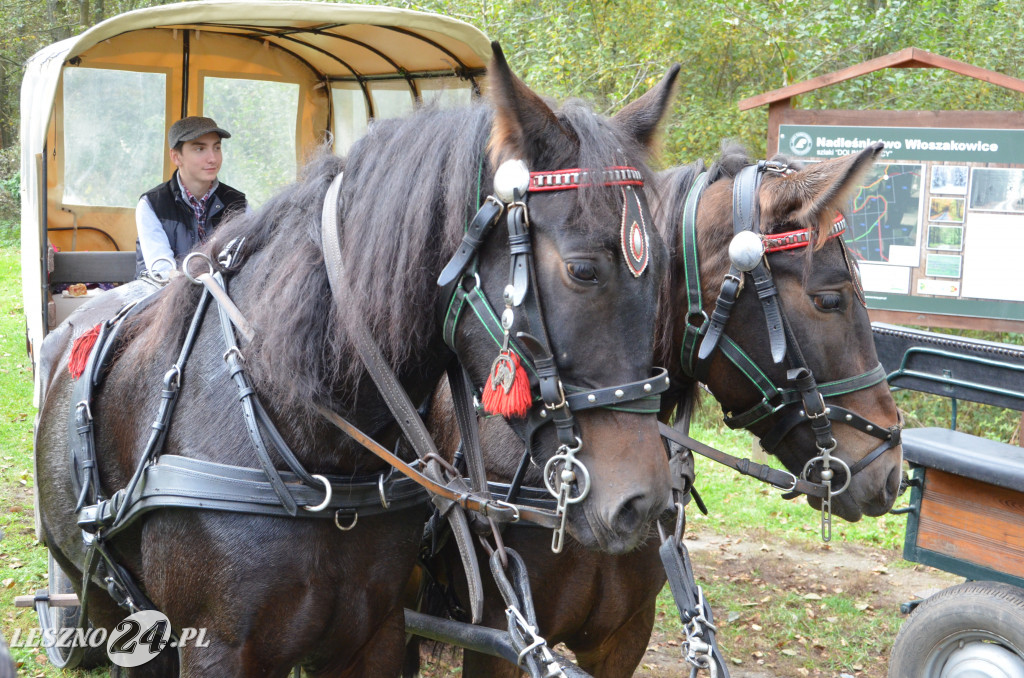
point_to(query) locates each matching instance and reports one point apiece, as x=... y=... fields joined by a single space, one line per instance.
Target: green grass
x=22 y=561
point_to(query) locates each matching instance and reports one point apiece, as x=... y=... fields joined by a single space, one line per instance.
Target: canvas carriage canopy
x=95 y=110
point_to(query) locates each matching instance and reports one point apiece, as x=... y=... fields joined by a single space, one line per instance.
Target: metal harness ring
x=327 y=500
x=810 y=462
x=345 y=528
x=163 y=276
x=195 y=279
x=567 y=455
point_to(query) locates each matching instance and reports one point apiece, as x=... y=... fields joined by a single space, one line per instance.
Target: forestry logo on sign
x=800 y=143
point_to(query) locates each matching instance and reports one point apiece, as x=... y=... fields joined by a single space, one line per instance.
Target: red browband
x=794 y=239
x=561 y=180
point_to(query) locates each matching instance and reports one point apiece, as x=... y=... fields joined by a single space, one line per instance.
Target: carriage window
x=261 y=115
x=349 y=116
x=391 y=99
x=445 y=92
x=114 y=135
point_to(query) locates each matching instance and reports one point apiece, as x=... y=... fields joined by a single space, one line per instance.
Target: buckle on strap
x=561 y=397
x=101 y=515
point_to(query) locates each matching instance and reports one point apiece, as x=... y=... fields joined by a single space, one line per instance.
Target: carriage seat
x=92 y=267
x=962 y=454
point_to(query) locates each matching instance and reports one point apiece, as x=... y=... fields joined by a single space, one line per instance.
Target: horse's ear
x=824 y=187
x=524 y=126
x=641 y=118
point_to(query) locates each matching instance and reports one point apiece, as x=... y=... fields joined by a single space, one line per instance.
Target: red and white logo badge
x=634 y=232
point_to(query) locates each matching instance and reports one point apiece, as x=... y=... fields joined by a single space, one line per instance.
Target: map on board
x=885 y=212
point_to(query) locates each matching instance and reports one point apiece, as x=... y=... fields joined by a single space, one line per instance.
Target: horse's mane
x=411 y=186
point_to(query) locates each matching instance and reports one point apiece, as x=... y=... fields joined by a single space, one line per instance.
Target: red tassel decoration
x=80 y=351
x=507 y=390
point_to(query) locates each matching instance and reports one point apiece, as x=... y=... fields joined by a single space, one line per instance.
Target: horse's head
x=573 y=266
x=794 y=362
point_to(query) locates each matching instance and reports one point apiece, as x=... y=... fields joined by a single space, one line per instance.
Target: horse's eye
x=830 y=301
x=582 y=271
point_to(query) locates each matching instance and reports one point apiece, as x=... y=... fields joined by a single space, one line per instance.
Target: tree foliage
x=26 y=26
x=609 y=51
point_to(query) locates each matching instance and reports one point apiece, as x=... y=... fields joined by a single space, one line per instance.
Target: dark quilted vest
x=179 y=221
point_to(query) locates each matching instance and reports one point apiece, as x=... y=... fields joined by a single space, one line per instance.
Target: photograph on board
x=946 y=209
x=995 y=189
x=943 y=265
x=949 y=179
x=947 y=238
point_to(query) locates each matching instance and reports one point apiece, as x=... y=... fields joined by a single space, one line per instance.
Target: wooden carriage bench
x=966 y=512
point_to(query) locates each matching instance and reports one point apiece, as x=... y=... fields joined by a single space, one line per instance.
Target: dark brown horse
x=603 y=606
x=276 y=592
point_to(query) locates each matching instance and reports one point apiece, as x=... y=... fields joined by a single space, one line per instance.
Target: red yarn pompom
x=507 y=390
x=80 y=351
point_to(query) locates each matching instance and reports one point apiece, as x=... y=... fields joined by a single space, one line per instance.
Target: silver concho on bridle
x=746 y=250
x=512 y=176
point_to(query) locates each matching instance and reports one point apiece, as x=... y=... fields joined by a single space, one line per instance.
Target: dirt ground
x=876 y=576
x=773 y=637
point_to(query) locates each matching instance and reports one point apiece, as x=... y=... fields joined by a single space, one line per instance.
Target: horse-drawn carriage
x=966 y=512
x=331 y=312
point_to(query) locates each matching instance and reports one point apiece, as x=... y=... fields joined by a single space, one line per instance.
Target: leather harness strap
x=748 y=218
x=783 y=480
x=183 y=482
x=494 y=508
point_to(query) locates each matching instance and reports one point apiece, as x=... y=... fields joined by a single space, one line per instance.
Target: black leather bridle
x=802 y=400
x=554 y=402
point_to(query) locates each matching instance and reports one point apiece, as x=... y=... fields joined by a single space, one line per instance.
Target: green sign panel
x=904 y=143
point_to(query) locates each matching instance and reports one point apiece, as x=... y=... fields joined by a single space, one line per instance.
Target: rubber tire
x=990 y=607
x=7 y=669
x=64 y=617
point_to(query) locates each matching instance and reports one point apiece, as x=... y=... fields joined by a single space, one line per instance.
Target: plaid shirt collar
x=198 y=205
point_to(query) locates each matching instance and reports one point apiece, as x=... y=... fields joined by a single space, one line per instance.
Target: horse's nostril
x=894 y=486
x=630 y=514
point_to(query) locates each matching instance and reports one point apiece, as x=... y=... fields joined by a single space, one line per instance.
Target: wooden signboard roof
x=911 y=57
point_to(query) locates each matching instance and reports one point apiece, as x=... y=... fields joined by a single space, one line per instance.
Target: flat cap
x=191 y=128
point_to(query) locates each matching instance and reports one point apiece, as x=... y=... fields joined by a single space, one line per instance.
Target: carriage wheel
x=56 y=618
x=975 y=629
x=6 y=663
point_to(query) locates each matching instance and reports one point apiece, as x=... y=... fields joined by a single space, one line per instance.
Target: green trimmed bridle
x=802 y=399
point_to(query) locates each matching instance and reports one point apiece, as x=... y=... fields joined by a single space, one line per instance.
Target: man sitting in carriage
x=175 y=216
